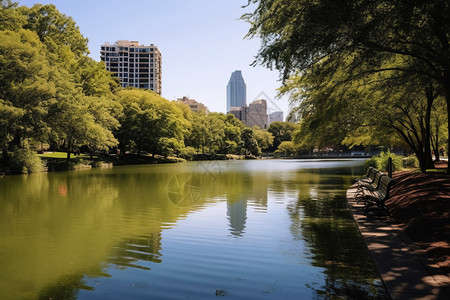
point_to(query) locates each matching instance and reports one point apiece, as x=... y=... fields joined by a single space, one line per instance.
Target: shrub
x=371 y=162
x=26 y=161
x=410 y=162
x=187 y=153
x=381 y=161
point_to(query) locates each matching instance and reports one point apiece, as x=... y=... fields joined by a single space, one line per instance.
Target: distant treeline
x=53 y=96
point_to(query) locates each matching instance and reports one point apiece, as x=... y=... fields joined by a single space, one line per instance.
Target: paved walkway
x=404 y=270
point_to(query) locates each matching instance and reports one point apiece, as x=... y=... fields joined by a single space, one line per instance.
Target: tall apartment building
x=135 y=65
x=236 y=91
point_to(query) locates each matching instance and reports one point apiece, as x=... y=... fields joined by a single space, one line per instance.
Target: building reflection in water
x=237 y=216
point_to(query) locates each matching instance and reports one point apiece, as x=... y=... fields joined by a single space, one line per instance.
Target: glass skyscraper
x=236 y=91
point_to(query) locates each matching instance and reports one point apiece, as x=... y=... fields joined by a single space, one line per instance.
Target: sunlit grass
x=61 y=155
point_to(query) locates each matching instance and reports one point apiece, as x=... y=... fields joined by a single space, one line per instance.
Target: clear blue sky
x=201 y=41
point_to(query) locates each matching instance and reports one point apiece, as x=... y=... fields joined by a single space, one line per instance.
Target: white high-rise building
x=135 y=65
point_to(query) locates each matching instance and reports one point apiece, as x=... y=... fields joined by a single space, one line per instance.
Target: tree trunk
x=427 y=134
x=447 y=99
x=435 y=142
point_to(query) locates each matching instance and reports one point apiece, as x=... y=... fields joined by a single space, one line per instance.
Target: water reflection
x=64 y=235
x=321 y=218
x=237 y=215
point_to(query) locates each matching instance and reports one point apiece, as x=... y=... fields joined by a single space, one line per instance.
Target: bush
x=371 y=162
x=410 y=162
x=26 y=161
x=187 y=153
x=380 y=161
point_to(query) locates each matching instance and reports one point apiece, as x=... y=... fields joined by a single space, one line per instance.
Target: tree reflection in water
x=321 y=218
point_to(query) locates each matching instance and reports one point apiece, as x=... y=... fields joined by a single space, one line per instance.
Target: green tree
x=281 y=131
x=286 y=148
x=55 y=28
x=10 y=17
x=150 y=123
x=250 y=145
x=263 y=137
x=26 y=89
x=300 y=35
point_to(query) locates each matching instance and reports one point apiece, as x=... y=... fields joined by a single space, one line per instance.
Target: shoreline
x=60 y=164
x=410 y=248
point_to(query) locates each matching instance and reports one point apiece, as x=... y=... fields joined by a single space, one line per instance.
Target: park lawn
x=62 y=155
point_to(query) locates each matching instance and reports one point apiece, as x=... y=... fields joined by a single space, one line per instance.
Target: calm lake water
x=265 y=229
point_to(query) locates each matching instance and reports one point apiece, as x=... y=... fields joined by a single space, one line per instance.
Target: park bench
x=373 y=183
x=368 y=177
x=378 y=196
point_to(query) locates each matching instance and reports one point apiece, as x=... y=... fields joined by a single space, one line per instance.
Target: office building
x=276 y=116
x=254 y=114
x=194 y=105
x=135 y=65
x=236 y=91
x=257 y=114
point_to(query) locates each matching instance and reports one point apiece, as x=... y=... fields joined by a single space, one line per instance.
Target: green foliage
x=371 y=162
x=380 y=161
x=281 y=131
x=410 y=162
x=26 y=161
x=263 y=137
x=250 y=144
x=150 y=123
x=54 y=27
x=286 y=148
x=187 y=153
x=10 y=17
x=363 y=71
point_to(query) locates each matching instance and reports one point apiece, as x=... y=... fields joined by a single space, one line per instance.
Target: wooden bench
x=378 y=196
x=372 y=184
x=368 y=177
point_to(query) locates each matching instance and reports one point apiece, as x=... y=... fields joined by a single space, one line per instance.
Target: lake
x=257 y=229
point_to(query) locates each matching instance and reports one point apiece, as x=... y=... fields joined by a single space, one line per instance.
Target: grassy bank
x=57 y=161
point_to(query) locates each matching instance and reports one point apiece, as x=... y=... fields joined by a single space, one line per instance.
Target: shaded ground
x=420 y=204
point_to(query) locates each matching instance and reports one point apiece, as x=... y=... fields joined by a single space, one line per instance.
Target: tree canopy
x=337 y=57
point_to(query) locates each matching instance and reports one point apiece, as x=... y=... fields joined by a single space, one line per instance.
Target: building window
x=131 y=49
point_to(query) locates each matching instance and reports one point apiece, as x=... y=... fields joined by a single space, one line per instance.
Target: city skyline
x=201 y=43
